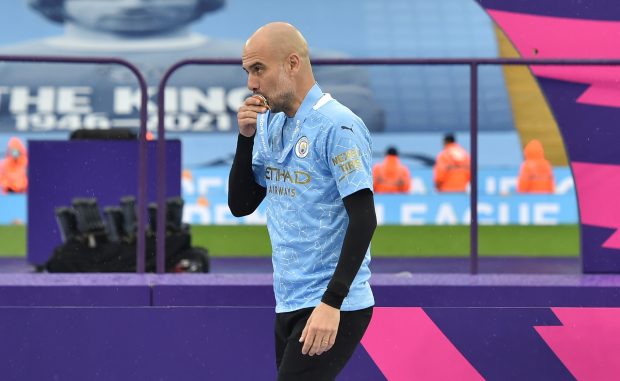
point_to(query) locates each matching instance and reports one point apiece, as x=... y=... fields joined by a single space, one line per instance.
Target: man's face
x=131 y=17
x=267 y=75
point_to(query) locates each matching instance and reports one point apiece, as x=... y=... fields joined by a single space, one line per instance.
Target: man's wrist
x=248 y=134
x=335 y=294
x=245 y=143
x=247 y=139
x=332 y=299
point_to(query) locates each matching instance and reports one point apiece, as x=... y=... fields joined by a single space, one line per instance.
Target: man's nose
x=253 y=84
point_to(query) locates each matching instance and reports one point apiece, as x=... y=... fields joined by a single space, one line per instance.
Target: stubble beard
x=284 y=96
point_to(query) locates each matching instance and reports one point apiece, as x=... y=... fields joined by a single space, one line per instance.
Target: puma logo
x=347 y=128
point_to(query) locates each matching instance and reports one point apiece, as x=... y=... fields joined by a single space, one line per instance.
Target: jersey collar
x=314 y=94
x=304 y=109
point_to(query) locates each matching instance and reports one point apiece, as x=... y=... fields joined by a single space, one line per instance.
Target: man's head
x=278 y=66
x=392 y=151
x=449 y=138
x=126 y=17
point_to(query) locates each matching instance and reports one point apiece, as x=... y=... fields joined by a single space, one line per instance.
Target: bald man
x=312 y=163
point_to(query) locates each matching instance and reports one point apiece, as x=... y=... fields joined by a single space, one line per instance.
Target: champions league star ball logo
x=301 y=148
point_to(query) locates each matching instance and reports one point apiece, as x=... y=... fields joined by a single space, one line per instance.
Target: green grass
x=232 y=241
x=12 y=240
x=400 y=241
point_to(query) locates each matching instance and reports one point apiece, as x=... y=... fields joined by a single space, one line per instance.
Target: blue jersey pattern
x=326 y=158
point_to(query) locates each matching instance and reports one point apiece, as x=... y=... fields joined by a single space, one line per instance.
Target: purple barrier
x=428 y=290
x=242 y=290
x=62 y=170
x=431 y=327
x=78 y=290
x=256 y=290
x=136 y=344
x=234 y=343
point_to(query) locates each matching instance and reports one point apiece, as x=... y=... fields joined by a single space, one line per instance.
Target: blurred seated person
x=14 y=168
x=536 y=174
x=391 y=176
x=452 y=167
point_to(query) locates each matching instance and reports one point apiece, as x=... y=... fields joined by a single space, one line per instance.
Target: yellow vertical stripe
x=532 y=117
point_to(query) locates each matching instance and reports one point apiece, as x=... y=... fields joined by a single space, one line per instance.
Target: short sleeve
x=349 y=156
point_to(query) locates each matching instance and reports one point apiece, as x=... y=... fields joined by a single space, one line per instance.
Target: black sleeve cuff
x=245 y=144
x=335 y=294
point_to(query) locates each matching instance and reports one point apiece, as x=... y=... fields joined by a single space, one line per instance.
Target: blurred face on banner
x=133 y=17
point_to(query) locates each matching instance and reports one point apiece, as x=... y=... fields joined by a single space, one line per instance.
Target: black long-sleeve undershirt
x=244 y=196
x=360 y=207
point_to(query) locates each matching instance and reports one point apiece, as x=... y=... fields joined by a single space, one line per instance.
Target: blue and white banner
x=205 y=193
x=492 y=210
x=205 y=197
x=153 y=35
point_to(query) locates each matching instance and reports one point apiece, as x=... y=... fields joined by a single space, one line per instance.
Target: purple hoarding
x=585 y=101
x=428 y=327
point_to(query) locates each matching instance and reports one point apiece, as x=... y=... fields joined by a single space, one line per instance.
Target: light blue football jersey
x=325 y=158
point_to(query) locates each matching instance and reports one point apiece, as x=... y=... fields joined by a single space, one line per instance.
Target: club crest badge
x=302 y=146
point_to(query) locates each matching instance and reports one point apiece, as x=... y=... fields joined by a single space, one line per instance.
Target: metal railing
x=472 y=63
x=142 y=154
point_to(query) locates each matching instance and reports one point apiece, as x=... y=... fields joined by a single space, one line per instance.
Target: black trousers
x=293 y=365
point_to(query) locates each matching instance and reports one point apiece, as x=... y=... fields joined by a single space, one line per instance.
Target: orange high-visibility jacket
x=452 y=169
x=14 y=170
x=391 y=176
x=536 y=174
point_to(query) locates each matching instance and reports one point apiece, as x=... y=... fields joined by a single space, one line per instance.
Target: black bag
x=77 y=255
x=95 y=244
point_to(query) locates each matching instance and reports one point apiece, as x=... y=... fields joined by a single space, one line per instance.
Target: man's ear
x=293 y=62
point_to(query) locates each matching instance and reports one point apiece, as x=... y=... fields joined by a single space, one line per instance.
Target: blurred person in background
x=452 y=167
x=391 y=175
x=14 y=168
x=536 y=174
